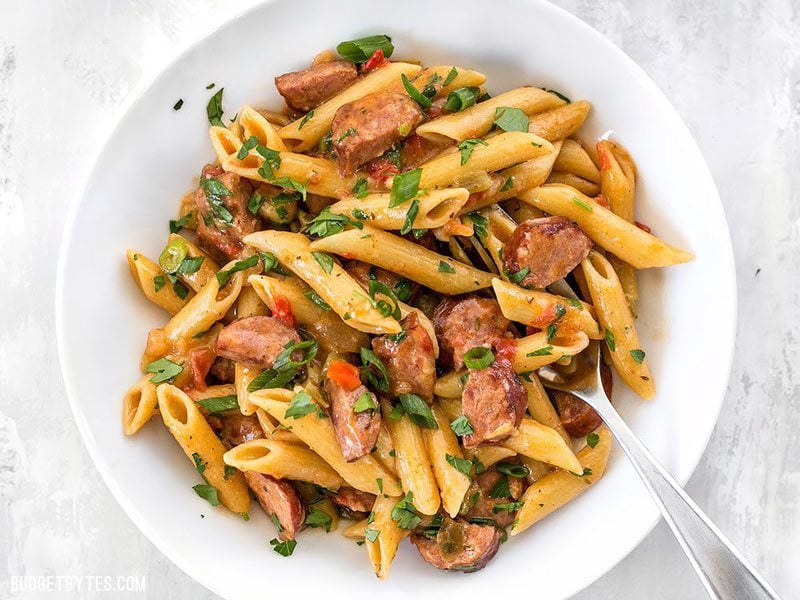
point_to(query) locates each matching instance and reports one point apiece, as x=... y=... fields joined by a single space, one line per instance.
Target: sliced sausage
x=409 y=361
x=365 y=128
x=578 y=418
x=549 y=248
x=307 y=89
x=487 y=492
x=494 y=401
x=277 y=497
x=255 y=341
x=459 y=546
x=466 y=322
x=355 y=432
x=238 y=429
x=223 y=220
x=280 y=499
x=353 y=502
x=363 y=273
x=223 y=370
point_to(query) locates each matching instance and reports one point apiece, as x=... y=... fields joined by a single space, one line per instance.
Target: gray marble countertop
x=730 y=67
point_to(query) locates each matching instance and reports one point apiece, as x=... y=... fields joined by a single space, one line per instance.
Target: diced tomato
x=604 y=155
x=283 y=311
x=413 y=147
x=376 y=61
x=435 y=110
x=506 y=348
x=546 y=317
x=602 y=201
x=381 y=169
x=344 y=374
x=348 y=255
x=643 y=227
x=200 y=361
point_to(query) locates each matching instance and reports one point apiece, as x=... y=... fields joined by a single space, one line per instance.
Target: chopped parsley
x=467 y=146
x=165 y=370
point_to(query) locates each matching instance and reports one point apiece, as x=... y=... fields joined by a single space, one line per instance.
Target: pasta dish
x=361 y=289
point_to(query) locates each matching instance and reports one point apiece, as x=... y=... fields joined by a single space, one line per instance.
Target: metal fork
x=722 y=569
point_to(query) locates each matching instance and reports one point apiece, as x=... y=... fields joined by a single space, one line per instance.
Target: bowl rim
x=161 y=71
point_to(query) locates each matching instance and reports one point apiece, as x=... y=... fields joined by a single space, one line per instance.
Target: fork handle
x=723 y=570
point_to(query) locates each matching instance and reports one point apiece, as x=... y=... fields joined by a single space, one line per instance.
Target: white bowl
x=687 y=322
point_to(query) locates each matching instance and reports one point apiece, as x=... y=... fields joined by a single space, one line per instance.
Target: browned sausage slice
x=355 y=432
x=494 y=401
x=487 y=492
x=363 y=273
x=578 y=418
x=366 y=128
x=549 y=248
x=280 y=499
x=466 y=322
x=459 y=546
x=409 y=362
x=223 y=219
x=307 y=89
x=255 y=341
x=238 y=429
x=353 y=501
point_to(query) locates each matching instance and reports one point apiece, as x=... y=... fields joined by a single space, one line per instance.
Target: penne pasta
x=450 y=385
x=336 y=287
x=584 y=186
x=555 y=489
x=561 y=122
x=208 y=267
x=542 y=443
x=138 y=405
x=617 y=321
x=540 y=309
x=443 y=448
x=382 y=249
x=248 y=304
x=540 y=407
x=573 y=158
x=535 y=351
x=254 y=124
x=317 y=433
x=153 y=283
x=382 y=536
x=490 y=455
x=194 y=435
x=412 y=462
x=434 y=209
x=304 y=134
x=477 y=120
x=607 y=230
x=244 y=376
x=283 y=461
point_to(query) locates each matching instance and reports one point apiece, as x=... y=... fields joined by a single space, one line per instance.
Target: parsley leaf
x=223 y=277
x=418 y=411
x=214 y=109
x=359 y=50
x=462 y=465
x=414 y=93
x=510 y=119
x=462 y=426
x=404 y=513
x=638 y=355
x=324 y=260
x=445 y=267
x=301 y=405
x=467 y=146
x=219 y=403
x=592 y=439
x=410 y=216
x=207 y=492
x=284 y=548
x=165 y=370
x=612 y=344
x=405 y=186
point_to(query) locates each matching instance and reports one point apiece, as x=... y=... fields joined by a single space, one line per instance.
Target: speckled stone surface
x=730 y=67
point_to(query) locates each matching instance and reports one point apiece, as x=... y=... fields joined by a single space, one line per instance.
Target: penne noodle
x=383 y=547
x=434 y=209
x=607 y=230
x=463 y=78
x=412 y=462
x=498 y=152
x=451 y=407
x=384 y=450
x=317 y=433
x=584 y=186
x=573 y=158
x=194 y=435
x=272 y=429
x=283 y=461
x=617 y=321
x=555 y=489
x=138 y=405
x=303 y=134
x=477 y=120
x=244 y=375
x=328 y=328
x=436 y=271
x=560 y=122
x=254 y=124
x=521 y=211
x=248 y=304
x=526 y=175
x=537 y=441
x=618 y=186
x=535 y=351
x=145 y=273
x=540 y=309
x=540 y=407
x=213 y=391
x=334 y=285
x=450 y=385
x=208 y=267
x=441 y=444
x=356 y=531
x=490 y=455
